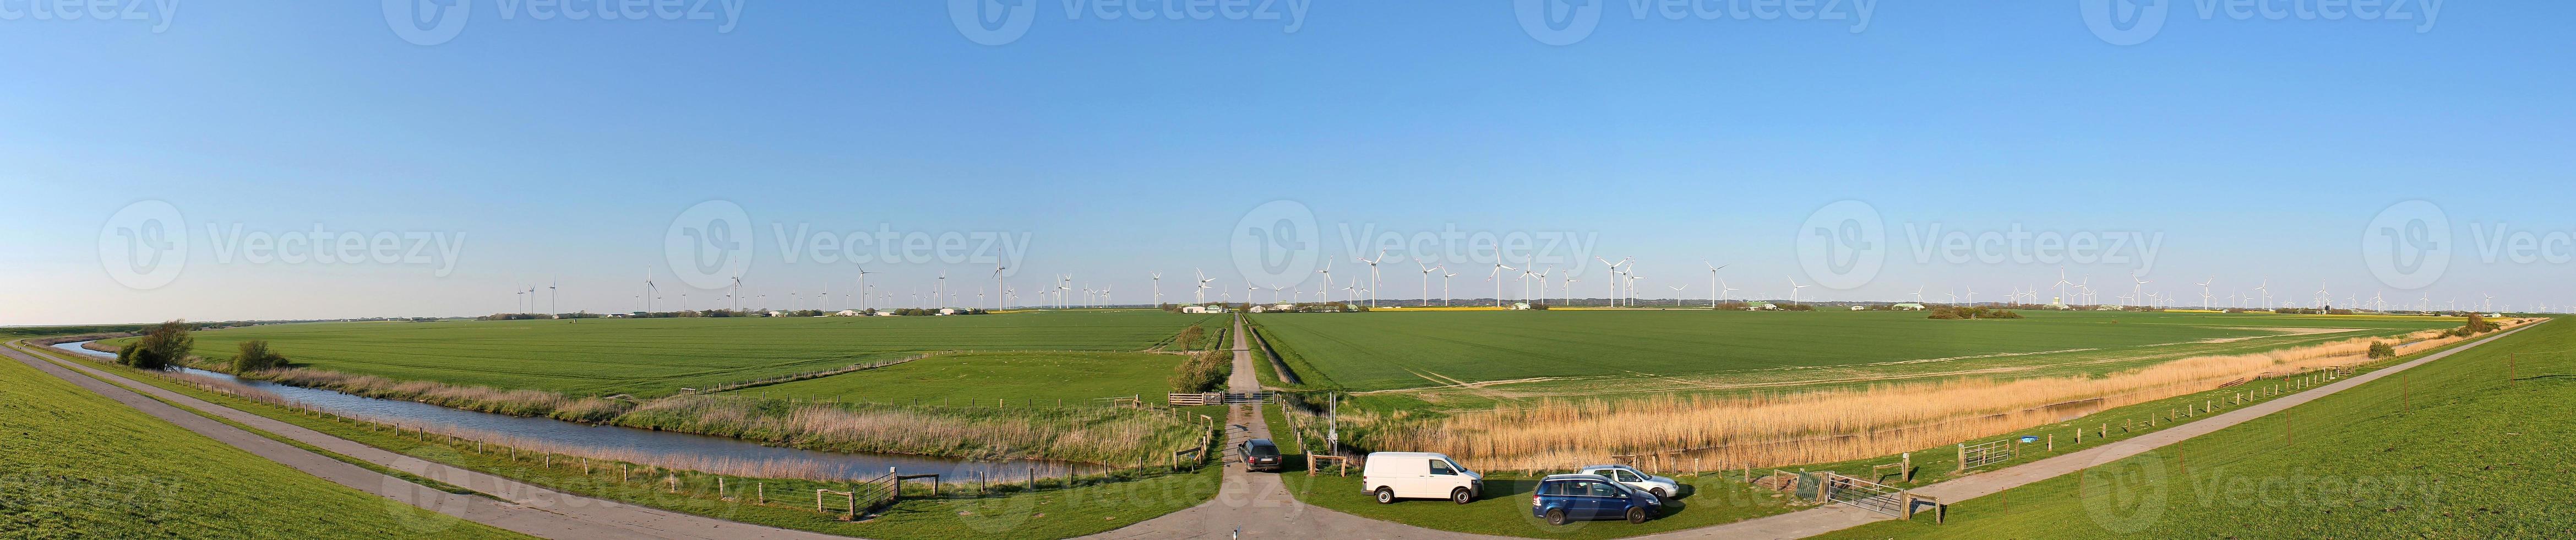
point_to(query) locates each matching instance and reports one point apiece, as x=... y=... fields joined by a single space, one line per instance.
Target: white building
x=847 y=313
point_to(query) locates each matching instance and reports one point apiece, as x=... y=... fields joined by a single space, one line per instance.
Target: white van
x=1419 y=475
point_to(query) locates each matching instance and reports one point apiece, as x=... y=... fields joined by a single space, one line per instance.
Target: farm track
x=503 y=503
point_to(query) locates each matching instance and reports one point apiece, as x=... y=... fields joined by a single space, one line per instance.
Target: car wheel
x=1636 y=515
x=1461 y=496
x=1556 y=517
x=1385 y=496
x=1660 y=494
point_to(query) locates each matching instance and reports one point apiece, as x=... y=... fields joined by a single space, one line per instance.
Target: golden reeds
x=1824 y=426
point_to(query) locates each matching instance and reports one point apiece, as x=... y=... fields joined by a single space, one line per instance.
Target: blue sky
x=562 y=150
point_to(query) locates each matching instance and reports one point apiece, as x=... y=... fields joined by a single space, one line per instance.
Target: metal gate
x=1979 y=455
x=1866 y=495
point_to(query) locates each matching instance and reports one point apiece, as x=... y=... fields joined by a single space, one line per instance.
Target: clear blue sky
x=562 y=150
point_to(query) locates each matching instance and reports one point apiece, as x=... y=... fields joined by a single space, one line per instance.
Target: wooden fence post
x=2052 y=439
x=1963 y=458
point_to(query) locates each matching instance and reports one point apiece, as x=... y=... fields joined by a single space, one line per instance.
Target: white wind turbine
x=1200 y=295
x=1712 y=282
x=1497 y=278
x=2137 y=291
x=1326 y=293
x=2204 y=290
x=1614 y=277
x=1569 y=288
x=2264 y=290
x=1724 y=290
x=1427 y=269
x=1794 y=287
x=1918 y=292
x=1444 y=288
x=997 y=285
x=1372 y=267
x=1158 y=288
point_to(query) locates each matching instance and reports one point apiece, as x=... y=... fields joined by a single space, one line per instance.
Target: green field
x=655 y=357
x=78 y=465
x=2470 y=446
x=1576 y=353
x=1043 y=377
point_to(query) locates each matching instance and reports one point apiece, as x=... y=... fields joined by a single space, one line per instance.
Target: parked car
x=1566 y=498
x=1661 y=487
x=1260 y=455
x=1419 y=475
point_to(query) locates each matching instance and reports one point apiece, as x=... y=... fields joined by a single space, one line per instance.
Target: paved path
x=1837 y=517
x=1257 y=505
x=521 y=507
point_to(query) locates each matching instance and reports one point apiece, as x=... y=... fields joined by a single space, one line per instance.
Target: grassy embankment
x=1058 y=508
x=77 y=464
x=2470 y=446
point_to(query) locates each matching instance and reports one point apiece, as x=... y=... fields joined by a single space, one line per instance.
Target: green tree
x=163 y=348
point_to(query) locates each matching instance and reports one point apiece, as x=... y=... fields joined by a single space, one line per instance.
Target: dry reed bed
x=1825 y=426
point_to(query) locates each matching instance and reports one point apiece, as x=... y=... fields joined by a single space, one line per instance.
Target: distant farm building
x=1908 y=306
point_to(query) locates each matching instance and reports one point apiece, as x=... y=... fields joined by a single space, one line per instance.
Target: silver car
x=1661 y=487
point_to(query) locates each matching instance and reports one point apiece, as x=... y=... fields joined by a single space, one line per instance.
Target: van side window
x=1442 y=468
x=1552 y=488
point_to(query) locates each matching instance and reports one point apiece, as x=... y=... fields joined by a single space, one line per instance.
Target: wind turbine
x=1372 y=267
x=1327 y=292
x=1427 y=269
x=1712 y=282
x=737 y=295
x=1496 y=277
x=1724 y=290
x=1794 y=287
x=2137 y=291
x=2264 y=290
x=2204 y=290
x=1918 y=292
x=650 y=291
x=1158 y=289
x=997 y=285
x=1569 y=288
x=1200 y=295
x=1614 y=279
x=1444 y=288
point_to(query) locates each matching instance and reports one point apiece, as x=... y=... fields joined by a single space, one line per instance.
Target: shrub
x=1204 y=372
x=255 y=356
x=2381 y=349
x=1189 y=338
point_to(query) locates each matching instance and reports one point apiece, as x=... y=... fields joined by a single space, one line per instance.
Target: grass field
x=656 y=357
x=1052 y=513
x=1045 y=377
x=78 y=465
x=1484 y=356
x=2470 y=446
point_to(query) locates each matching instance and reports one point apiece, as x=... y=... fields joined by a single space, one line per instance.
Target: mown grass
x=2469 y=446
x=1074 y=378
x=1396 y=350
x=656 y=357
x=1091 y=505
x=74 y=464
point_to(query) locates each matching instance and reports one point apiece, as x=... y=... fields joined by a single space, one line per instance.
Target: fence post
x=2052 y=439
x=1963 y=458
x=761 y=490
x=1908 y=460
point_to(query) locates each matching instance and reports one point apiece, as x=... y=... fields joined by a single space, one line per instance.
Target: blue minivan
x=1565 y=498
